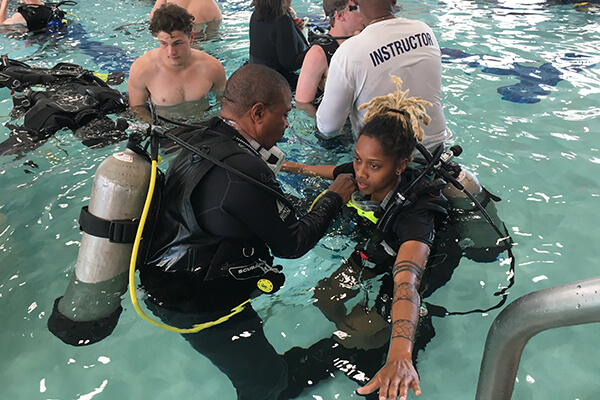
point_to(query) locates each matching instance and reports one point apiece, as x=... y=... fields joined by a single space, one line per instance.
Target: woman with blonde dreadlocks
x=397 y=258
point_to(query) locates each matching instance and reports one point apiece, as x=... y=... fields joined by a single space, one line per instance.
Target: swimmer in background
x=276 y=38
x=16 y=18
x=174 y=74
x=344 y=22
x=206 y=13
x=33 y=14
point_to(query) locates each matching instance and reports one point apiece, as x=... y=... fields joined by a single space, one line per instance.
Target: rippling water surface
x=522 y=96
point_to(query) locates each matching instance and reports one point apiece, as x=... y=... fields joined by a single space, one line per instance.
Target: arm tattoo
x=407 y=291
x=404 y=328
x=410 y=266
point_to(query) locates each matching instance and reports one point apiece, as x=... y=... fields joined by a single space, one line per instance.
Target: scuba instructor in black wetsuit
x=216 y=232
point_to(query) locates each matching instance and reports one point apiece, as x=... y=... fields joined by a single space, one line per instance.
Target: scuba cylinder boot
x=91 y=305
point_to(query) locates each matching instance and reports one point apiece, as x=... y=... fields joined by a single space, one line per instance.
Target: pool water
x=521 y=89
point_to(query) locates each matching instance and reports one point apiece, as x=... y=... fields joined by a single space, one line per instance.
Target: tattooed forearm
x=403 y=328
x=407 y=291
x=410 y=266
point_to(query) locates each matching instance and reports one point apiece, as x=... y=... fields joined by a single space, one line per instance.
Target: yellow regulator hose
x=134 y=253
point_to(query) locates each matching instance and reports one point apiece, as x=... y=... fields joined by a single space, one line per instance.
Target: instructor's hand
x=344 y=185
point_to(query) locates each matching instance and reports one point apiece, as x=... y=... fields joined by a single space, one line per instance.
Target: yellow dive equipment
x=136 y=246
x=370 y=215
x=364 y=208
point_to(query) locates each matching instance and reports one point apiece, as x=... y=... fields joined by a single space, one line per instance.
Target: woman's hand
x=298 y=21
x=393 y=380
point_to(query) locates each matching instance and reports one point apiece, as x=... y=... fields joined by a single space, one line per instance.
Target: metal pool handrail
x=565 y=305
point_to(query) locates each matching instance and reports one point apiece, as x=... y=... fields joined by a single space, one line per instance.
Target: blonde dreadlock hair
x=393 y=120
x=409 y=110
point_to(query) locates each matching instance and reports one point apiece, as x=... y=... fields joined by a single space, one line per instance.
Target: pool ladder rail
x=574 y=303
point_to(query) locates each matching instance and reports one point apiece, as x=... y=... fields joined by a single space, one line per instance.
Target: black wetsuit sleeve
x=347 y=168
x=313 y=225
x=227 y=205
x=289 y=44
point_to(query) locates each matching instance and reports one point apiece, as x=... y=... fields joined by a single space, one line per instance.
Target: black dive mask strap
x=64 y=2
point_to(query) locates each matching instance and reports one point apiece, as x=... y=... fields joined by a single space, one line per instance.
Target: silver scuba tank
x=91 y=305
x=479 y=240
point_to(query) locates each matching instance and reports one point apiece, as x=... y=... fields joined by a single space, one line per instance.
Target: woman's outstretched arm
x=398 y=375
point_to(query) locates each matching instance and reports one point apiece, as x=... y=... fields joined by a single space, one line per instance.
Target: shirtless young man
x=174 y=73
x=206 y=13
x=344 y=21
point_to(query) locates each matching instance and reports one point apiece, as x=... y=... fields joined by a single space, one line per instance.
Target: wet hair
x=394 y=121
x=267 y=10
x=169 y=18
x=331 y=6
x=251 y=84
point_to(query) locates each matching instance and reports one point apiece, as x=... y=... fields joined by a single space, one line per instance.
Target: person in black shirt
x=276 y=39
x=381 y=169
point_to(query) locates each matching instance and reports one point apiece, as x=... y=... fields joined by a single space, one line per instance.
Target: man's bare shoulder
x=205 y=61
x=202 y=10
x=147 y=62
x=315 y=63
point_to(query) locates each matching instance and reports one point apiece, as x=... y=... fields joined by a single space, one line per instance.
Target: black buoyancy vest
x=380 y=248
x=72 y=105
x=19 y=76
x=73 y=97
x=187 y=267
x=38 y=16
x=328 y=44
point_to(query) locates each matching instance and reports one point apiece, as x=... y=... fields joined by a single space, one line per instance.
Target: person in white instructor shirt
x=362 y=66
